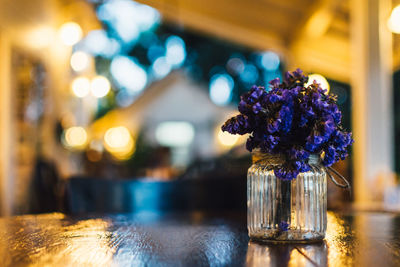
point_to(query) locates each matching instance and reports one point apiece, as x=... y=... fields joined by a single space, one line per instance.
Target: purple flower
x=286 y=172
x=251 y=143
x=269 y=143
x=298 y=153
x=330 y=156
x=283 y=226
x=257 y=108
x=314 y=142
x=237 y=125
x=292 y=120
x=275 y=82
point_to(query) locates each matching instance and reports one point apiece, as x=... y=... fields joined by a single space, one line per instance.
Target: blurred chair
x=94 y=195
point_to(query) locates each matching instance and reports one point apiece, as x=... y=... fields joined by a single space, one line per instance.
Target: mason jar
x=286 y=210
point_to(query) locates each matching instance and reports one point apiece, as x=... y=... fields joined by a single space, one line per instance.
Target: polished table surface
x=190 y=239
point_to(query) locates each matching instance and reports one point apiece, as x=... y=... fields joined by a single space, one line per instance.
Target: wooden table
x=190 y=239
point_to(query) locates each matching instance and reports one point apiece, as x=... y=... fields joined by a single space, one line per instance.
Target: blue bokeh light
x=161 y=68
x=221 y=86
x=127 y=18
x=175 y=51
x=128 y=74
x=250 y=74
x=270 y=61
x=98 y=43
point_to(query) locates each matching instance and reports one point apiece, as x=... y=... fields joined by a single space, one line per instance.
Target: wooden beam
x=371 y=78
x=7 y=172
x=259 y=39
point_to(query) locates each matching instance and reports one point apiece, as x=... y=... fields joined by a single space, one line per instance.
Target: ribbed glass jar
x=280 y=210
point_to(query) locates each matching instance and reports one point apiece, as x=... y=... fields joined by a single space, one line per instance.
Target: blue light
x=175 y=51
x=235 y=65
x=128 y=18
x=270 y=61
x=221 y=86
x=249 y=74
x=161 y=68
x=124 y=98
x=98 y=43
x=128 y=74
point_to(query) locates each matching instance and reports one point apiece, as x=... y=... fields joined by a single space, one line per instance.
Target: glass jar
x=282 y=210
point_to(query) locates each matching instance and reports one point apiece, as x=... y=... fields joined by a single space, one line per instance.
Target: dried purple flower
x=283 y=226
x=292 y=120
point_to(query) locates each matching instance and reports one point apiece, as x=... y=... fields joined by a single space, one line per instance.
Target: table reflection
x=357 y=239
x=335 y=249
x=300 y=255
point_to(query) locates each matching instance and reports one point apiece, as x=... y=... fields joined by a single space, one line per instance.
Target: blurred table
x=190 y=239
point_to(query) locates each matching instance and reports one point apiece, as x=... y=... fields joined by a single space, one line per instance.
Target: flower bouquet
x=295 y=136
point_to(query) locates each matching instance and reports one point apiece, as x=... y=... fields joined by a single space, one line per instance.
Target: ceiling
x=312 y=34
x=29 y=22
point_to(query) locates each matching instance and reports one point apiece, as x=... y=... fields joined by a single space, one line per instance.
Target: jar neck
x=279 y=159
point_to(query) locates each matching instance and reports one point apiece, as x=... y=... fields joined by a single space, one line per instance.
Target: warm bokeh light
x=75 y=137
x=319 y=79
x=100 y=86
x=79 y=61
x=119 y=142
x=80 y=86
x=226 y=139
x=70 y=33
x=394 y=20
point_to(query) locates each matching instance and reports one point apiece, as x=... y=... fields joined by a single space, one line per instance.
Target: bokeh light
x=394 y=20
x=226 y=139
x=79 y=61
x=250 y=74
x=70 y=33
x=235 y=65
x=128 y=74
x=175 y=133
x=221 y=86
x=161 y=68
x=119 y=142
x=75 y=137
x=80 y=86
x=175 y=51
x=127 y=18
x=100 y=86
x=124 y=98
x=270 y=61
x=98 y=43
x=319 y=79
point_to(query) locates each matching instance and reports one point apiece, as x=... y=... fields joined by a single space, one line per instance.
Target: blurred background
x=116 y=105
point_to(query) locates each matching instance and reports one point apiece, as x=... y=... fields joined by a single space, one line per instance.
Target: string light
x=75 y=137
x=226 y=139
x=319 y=79
x=70 y=33
x=119 y=142
x=100 y=86
x=394 y=20
x=80 y=86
